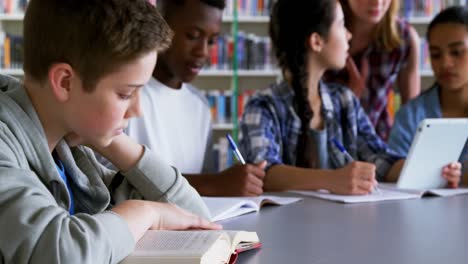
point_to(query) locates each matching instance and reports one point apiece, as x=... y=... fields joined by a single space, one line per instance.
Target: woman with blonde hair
x=384 y=54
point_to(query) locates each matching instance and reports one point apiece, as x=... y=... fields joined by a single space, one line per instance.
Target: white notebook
x=227 y=207
x=386 y=192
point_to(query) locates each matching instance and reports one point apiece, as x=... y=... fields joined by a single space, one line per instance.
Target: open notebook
x=227 y=207
x=386 y=192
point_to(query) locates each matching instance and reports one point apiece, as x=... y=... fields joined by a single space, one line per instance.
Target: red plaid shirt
x=384 y=67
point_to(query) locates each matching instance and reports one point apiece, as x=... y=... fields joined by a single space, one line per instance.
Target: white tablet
x=437 y=142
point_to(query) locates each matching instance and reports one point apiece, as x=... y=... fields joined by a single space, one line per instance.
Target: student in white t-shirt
x=176 y=121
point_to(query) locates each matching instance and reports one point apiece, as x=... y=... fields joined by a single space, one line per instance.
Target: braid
x=289 y=36
x=301 y=102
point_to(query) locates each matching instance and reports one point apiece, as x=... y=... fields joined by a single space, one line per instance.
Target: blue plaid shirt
x=270 y=128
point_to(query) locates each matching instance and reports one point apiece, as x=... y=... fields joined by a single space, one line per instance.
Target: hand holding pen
x=235 y=149
x=359 y=172
x=241 y=179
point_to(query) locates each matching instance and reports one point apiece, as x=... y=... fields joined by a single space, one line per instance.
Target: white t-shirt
x=176 y=124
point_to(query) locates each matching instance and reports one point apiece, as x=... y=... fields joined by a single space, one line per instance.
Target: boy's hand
x=452 y=173
x=172 y=217
x=143 y=215
x=356 y=178
x=357 y=77
x=241 y=180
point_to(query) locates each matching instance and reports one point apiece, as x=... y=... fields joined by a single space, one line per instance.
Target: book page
x=227 y=207
x=448 y=192
x=382 y=195
x=176 y=243
x=243 y=240
x=274 y=200
x=437 y=192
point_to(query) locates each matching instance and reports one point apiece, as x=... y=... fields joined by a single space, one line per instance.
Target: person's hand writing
x=356 y=178
x=241 y=180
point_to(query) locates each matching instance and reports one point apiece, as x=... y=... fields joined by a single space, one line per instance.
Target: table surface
x=427 y=230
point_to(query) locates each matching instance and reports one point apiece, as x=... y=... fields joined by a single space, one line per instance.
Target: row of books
x=253 y=52
x=13 y=6
x=223 y=157
x=11 y=51
x=222 y=104
x=427 y=8
x=249 y=7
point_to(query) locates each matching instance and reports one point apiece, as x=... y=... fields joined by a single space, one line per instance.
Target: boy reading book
x=85 y=62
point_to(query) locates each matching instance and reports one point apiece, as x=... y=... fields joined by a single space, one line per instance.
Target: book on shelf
x=253 y=53
x=222 y=155
x=386 y=192
x=11 y=51
x=249 y=7
x=192 y=247
x=222 y=208
x=222 y=102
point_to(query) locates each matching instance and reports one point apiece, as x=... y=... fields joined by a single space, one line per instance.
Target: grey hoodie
x=36 y=226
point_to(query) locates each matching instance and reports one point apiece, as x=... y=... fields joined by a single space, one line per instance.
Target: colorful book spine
x=249 y=7
x=223 y=157
x=253 y=53
x=11 y=51
x=222 y=103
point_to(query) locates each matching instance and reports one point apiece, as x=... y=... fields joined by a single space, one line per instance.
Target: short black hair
x=450 y=15
x=167 y=7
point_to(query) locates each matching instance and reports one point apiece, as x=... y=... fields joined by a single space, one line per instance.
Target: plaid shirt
x=270 y=128
x=384 y=67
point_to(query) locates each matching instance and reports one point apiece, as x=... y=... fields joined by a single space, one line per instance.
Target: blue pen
x=342 y=150
x=348 y=156
x=235 y=149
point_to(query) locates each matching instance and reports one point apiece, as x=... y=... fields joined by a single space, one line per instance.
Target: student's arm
x=394 y=172
x=150 y=176
x=409 y=80
x=123 y=152
x=356 y=178
x=370 y=147
x=239 y=180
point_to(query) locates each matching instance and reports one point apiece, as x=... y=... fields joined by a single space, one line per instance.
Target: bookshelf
x=11 y=40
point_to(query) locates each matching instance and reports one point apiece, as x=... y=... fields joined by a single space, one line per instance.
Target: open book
x=191 y=247
x=386 y=192
x=226 y=207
